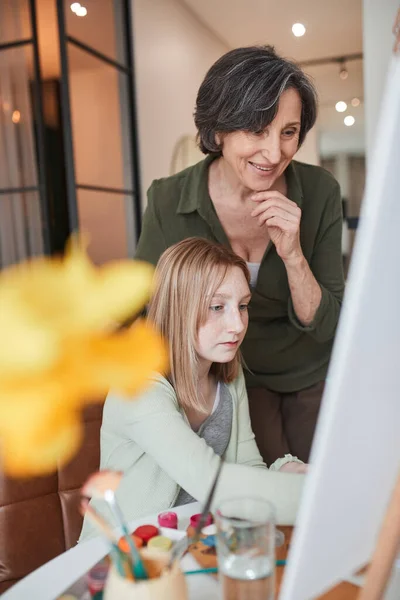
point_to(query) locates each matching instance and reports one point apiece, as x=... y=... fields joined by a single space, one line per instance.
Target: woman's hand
x=282 y=218
x=294 y=467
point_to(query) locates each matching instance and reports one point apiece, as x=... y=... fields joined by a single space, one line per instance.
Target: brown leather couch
x=39 y=517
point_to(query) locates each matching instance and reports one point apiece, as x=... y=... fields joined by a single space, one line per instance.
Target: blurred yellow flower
x=60 y=350
x=46 y=299
x=37 y=435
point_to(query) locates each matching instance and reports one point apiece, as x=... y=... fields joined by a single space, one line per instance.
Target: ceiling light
x=81 y=11
x=16 y=116
x=78 y=9
x=341 y=106
x=298 y=29
x=349 y=120
x=355 y=102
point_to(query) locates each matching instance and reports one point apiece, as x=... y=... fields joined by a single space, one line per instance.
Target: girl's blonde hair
x=187 y=276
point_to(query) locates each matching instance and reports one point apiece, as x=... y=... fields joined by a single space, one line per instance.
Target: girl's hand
x=294 y=467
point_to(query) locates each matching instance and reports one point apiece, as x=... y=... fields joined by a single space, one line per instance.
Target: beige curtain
x=20 y=215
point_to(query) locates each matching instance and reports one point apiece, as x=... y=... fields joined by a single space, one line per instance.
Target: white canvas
x=356 y=452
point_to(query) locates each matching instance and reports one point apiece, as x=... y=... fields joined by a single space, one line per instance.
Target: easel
x=309 y=572
x=386 y=551
x=388 y=544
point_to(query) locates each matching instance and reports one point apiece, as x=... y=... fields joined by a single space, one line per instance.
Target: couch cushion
x=39 y=517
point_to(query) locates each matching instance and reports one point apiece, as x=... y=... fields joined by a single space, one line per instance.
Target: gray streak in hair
x=241 y=92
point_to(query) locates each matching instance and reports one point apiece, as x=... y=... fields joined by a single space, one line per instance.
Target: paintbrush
x=88 y=510
x=120 y=559
x=180 y=548
x=206 y=509
x=102 y=485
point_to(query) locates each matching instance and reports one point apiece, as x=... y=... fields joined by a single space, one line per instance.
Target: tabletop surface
x=53 y=578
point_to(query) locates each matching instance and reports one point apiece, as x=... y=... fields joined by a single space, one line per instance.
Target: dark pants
x=284 y=423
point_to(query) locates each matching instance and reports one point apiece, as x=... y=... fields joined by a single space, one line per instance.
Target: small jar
x=168 y=519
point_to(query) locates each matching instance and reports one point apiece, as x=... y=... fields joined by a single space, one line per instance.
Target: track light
x=343 y=72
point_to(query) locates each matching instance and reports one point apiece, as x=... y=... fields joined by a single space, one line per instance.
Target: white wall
x=309 y=151
x=173 y=51
x=378 y=20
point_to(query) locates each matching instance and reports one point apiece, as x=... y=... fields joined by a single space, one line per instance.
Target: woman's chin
x=253 y=187
x=255 y=183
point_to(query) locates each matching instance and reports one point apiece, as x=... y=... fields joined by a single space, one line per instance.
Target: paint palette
x=204 y=551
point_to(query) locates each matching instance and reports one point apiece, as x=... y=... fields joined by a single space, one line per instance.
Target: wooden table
x=207 y=558
x=343 y=591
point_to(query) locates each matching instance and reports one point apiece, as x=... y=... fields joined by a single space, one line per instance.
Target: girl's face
x=220 y=336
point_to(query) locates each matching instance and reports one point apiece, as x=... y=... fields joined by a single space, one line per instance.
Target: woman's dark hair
x=241 y=91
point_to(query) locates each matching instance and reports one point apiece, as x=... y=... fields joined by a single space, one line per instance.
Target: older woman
x=283 y=217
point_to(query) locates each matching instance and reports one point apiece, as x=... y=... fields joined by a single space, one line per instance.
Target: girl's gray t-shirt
x=216 y=431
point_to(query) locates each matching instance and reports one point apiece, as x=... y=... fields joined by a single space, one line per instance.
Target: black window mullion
x=66 y=121
x=16 y=44
x=40 y=132
x=90 y=50
x=108 y=190
x=132 y=116
x=19 y=190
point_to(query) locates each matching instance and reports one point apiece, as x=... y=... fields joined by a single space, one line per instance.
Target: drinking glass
x=246 y=548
